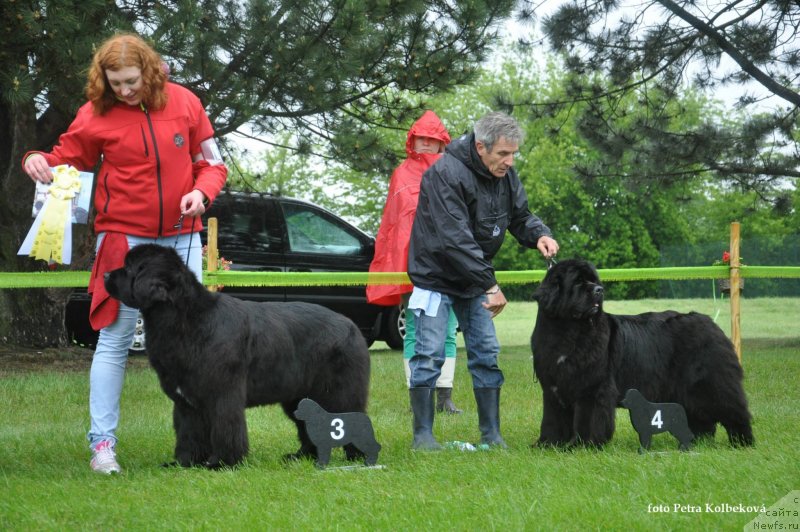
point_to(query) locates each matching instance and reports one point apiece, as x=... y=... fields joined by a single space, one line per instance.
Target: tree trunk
x=29 y=317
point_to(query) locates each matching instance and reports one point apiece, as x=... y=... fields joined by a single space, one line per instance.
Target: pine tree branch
x=746 y=65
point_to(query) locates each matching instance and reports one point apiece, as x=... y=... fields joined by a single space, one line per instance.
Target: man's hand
x=495 y=301
x=547 y=246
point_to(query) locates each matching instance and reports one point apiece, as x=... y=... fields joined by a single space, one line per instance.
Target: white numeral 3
x=338 y=429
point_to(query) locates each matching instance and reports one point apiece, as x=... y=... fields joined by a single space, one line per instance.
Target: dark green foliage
x=652 y=49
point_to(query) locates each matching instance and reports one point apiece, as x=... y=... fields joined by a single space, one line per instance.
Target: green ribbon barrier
x=78 y=279
x=68 y=279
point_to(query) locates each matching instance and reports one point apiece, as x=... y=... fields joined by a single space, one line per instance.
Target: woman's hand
x=192 y=203
x=37 y=168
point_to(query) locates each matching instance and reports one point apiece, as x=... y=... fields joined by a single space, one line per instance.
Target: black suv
x=261 y=232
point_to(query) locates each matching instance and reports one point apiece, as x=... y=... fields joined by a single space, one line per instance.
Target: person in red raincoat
x=424 y=144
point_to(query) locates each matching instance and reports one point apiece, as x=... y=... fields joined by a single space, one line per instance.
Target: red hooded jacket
x=391 y=244
x=146 y=169
x=146 y=162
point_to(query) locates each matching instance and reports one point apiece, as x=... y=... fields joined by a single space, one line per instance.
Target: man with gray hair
x=467 y=201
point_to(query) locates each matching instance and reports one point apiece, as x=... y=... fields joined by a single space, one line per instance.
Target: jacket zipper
x=144 y=143
x=108 y=194
x=158 y=172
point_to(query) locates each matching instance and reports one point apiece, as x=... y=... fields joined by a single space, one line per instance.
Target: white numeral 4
x=656 y=421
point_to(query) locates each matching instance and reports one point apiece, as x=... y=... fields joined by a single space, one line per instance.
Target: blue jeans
x=448 y=370
x=111 y=354
x=410 y=339
x=480 y=339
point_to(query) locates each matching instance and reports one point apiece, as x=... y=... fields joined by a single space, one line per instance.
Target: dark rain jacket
x=461 y=221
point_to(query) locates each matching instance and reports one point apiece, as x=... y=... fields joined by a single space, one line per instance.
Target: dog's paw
x=183 y=463
x=296 y=457
x=542 y=443
x=216 y=465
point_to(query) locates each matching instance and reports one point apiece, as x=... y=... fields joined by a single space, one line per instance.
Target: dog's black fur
x=328 y=430
x=215 y=355
x=585 y=359
x=643 y=412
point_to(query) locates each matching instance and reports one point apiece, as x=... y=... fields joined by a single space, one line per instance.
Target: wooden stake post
x=213 y=252
x=736 y=333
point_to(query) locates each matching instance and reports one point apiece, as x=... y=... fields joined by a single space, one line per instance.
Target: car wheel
x=138 y=345
x=395 y=327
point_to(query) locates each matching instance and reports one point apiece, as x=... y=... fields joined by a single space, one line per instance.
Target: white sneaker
x=104 y=459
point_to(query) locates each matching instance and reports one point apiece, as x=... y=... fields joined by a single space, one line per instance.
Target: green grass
x=45 y=481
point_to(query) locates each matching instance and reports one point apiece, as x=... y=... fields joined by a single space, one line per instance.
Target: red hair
x=120 y=51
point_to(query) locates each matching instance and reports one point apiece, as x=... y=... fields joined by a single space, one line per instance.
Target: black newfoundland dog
x=586 y=359
x=215 y=355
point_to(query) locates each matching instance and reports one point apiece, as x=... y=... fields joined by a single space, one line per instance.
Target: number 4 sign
x=653 y=418
x=656 y=422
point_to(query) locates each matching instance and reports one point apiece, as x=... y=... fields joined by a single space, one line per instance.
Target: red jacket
x=146 y=162
x=391 y=244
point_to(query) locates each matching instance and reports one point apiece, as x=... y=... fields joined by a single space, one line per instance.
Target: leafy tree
x=325 y=70
x=617 y=47
x=600 y=219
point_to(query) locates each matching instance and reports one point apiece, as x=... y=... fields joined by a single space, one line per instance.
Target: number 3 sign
x=338 y=428
x=653 y=418
x=326 y=431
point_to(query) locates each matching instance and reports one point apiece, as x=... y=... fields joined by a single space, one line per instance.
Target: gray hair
x=496 y=125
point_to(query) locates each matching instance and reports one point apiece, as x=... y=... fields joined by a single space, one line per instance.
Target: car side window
x=244 y=228
x=249 y=232
x=310 y=231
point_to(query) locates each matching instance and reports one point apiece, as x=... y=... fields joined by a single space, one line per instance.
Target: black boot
x=488 y=400
x=422 y=408
x=444 y=401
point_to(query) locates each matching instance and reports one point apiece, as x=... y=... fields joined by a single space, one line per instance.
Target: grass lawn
x=46 y=483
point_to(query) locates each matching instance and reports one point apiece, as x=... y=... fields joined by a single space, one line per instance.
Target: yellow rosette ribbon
x=50 y=237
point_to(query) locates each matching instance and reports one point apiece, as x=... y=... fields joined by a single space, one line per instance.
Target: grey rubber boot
x=444 y=401
x=488 y=400
x=422 y=408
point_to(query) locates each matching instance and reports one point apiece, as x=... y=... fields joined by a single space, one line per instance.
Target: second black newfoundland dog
x=586 y=359
x=215 y=355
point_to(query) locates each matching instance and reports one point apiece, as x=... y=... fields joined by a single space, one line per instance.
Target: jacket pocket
x=490 y=231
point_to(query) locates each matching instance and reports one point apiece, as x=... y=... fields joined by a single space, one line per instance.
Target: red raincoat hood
x=391 y=243
x=428 y=125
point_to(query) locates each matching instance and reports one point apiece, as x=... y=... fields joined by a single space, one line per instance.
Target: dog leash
x=550 y=263
x=179 y=226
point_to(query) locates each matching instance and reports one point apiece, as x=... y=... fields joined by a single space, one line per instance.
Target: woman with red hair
x=158 y=167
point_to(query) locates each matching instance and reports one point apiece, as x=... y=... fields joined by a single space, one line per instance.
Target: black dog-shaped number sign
x=327 y=430
x=653 y=418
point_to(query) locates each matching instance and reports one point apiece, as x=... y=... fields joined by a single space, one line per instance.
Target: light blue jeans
x=111 y=354
x=448 y=370
x=480 y=339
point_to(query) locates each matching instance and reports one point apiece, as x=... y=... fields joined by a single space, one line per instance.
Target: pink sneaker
x=104 y=459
